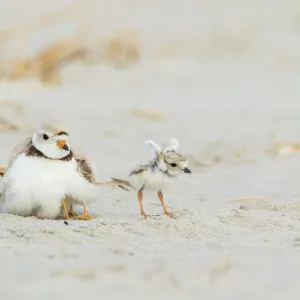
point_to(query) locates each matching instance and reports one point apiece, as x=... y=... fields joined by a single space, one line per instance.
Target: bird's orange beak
x=61 y=144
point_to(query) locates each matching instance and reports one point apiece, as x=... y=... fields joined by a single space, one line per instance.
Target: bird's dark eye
x=45 y=136
x=173 y=165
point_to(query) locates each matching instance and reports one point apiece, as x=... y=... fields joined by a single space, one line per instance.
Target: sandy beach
x=221 y=77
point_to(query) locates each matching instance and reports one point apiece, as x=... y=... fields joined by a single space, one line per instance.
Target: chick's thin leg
x=64 y=204
x=71 y=211
x=140 y=197
x=161 y=198
x=85 y=216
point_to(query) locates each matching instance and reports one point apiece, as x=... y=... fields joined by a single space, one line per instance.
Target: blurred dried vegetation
x=120 y=49
x=47 y=63
x=148 y=114
x=11 y=116
x=225 y=152
x=219 y=43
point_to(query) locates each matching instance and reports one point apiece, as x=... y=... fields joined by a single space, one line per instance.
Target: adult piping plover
x=44 y=175
x=166 y=165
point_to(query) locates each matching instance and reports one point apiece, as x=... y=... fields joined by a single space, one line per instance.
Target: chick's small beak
x=62 y=144
x=187 y=170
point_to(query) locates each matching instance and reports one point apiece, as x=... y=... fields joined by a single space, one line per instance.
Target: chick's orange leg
x=71 y=211
x=140 y=197
x=161 y=198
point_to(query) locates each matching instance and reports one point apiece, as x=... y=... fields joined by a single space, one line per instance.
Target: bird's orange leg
x=64 y=204
x=140 y=197
x=85 y=216
x=161 y=198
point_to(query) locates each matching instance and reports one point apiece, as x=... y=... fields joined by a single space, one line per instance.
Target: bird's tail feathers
x=115 y=182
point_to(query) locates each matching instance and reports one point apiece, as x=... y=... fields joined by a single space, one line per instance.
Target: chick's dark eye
x=173 y=165
x=45 y=136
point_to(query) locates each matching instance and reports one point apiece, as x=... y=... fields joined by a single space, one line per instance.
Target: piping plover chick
x=166 y=165
x=44 y=175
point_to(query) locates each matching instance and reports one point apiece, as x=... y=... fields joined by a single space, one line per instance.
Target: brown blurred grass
x=11 y=116
x=120 y=49
x=46 y=63
x=148 y=114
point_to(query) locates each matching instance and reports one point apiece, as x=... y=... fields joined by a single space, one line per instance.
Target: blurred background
x=211 y=73
x=221 y=76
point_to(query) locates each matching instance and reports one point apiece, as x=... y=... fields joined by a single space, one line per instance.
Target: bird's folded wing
x=85 y=166
x=17 y=150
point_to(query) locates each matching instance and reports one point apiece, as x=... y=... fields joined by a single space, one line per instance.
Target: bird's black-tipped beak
x=65 y=147
x=187 y=170
x=62 y=145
